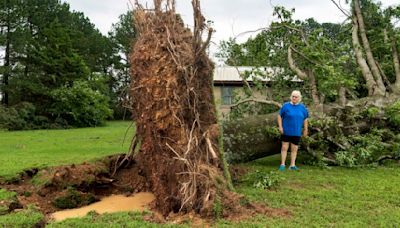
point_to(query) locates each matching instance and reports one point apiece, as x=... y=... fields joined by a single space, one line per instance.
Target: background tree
x=371 y=26
x=123 y=35
x=51 y=48
x=316 y=53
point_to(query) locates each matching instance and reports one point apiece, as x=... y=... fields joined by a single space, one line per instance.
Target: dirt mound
x=77 y=185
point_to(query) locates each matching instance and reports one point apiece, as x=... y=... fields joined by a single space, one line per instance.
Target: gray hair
x=296 y=93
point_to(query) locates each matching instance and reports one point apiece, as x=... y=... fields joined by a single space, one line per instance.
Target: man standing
x=292 y=121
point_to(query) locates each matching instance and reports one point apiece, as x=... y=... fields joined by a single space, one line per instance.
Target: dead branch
x=345 y=12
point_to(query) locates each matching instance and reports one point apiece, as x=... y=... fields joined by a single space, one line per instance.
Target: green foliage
x=80 y=106
x=23 y=116
x=6 y=195
x=272 y=132
x=123 y=36
x=265 y=180
x=324 y=49
x=367 y=148
x=49 y=47
x=371 y=112
x=393 y=114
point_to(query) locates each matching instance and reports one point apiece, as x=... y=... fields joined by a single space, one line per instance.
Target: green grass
x=315 y=197
x=6 y=195
x=26 y=218
x=336 y=197
x=21 y=150
x=114 y=220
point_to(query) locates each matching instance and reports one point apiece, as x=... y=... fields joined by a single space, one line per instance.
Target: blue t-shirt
x=293 y=117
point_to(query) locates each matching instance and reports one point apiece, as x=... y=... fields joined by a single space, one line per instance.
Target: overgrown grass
x=316 y=197
x=21 y=150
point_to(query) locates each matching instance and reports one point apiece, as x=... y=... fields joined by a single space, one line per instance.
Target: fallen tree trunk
x=251 y=138
x=360 y=133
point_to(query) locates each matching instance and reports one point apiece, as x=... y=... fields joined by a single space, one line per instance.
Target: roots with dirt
x=173 y=107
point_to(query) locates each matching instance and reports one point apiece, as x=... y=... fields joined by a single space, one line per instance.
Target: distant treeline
x=57 y=69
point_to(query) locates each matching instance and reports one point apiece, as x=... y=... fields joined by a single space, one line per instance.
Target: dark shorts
x=292 y=139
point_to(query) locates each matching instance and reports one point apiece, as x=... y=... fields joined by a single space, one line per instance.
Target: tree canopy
x=49 y=48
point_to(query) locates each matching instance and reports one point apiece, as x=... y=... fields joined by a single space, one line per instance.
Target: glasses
x=295 y=96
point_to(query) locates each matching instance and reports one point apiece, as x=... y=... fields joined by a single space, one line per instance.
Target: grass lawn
x=315 y=197
x=335 y=197
x=21 y=150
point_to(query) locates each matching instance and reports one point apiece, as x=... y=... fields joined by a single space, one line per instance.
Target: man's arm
x=280 y=124
x=305 y=128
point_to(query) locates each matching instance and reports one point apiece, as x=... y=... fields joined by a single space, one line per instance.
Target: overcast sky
x=230 y=17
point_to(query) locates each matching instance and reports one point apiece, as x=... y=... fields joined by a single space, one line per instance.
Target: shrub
x=266 y=180
x=21 y=117
x=80 y=106
x=393 y=113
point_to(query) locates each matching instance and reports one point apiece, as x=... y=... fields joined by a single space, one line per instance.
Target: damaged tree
x=358 y=131
x=174 y=110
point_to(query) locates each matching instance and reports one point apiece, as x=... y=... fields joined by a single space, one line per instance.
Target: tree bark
x=342 y=96
x=396 y=64
x=314 y=90
x=366 y=72
x=309 y=75
x=247 y=139
x=7 y=67
x=380 y=90
x=302 y=75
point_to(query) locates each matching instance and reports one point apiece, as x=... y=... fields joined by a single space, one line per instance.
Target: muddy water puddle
x=114 y=203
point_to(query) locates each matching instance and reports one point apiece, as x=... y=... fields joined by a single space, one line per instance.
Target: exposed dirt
x=77 y=182
x=237 y=172
x=96 y=180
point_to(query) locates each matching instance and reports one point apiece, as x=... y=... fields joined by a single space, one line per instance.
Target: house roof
x=233 y=75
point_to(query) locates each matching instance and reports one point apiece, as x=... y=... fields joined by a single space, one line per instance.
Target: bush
x=80 y=106
x=21 y=117
x=266 y=180
x=393 y=113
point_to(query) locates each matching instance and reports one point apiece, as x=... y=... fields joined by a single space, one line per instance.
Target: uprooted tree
x=174 y=110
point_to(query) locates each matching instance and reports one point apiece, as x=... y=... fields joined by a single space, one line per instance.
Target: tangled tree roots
x=174 y=110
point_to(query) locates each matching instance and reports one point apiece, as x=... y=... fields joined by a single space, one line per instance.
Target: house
x=228 y=81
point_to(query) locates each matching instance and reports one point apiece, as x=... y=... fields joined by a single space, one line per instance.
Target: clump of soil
x=77 y=185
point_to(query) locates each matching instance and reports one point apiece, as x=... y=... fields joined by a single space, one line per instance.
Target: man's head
x=295 y=98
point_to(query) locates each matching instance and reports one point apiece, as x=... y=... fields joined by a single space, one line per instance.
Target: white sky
x=230 y=17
